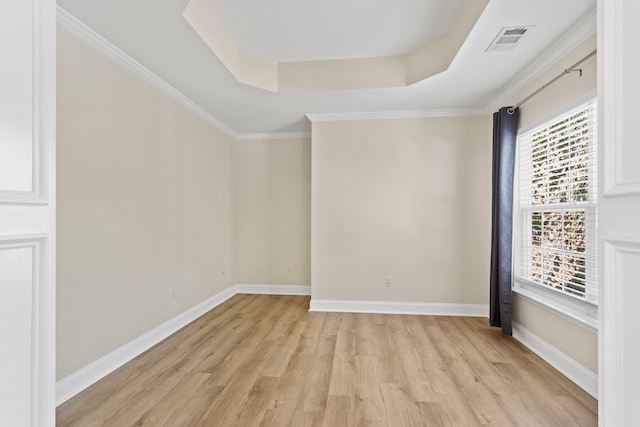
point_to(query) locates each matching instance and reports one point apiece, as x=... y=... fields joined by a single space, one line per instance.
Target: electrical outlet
x=387 y=282
x=289 y=269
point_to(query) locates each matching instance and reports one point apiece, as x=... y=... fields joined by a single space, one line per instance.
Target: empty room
x=337 y=213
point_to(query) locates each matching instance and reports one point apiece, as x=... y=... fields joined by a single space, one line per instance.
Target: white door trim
x=27 y=213
x=619 y=231
x=45 y=186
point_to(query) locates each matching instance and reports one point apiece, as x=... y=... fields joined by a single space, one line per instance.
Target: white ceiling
x=294 y=30
x=154 y=33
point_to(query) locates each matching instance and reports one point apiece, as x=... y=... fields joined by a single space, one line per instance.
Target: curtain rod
x=569 y=70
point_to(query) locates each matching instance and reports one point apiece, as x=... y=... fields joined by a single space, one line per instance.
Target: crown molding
x=578 y=34
x=82 y=31
x=409 y=114
x=273 y=135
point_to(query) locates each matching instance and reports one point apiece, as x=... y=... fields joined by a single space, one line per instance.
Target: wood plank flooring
x=260 y=360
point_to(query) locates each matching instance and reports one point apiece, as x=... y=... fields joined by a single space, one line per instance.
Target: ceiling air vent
x=508 y=38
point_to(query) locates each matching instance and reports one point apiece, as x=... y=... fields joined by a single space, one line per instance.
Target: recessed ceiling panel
x=357 y=72
x=294 y=30
x=155 y=33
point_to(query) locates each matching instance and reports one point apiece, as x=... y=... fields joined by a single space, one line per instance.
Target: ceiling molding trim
x=80 y=30
x=422 y=63
x=577 y=35
x=273 y=135
x=384 y=115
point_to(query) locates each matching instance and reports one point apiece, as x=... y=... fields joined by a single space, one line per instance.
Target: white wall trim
x=274 y=135
x=389 y=307
x=579 y=374
x=412 y=114
x=42 y=330
x=577 y=35
x=274 y=289
x=616 y=339
x=579 y=313
x=69 y=386
x=73 y=384
x=80 y=30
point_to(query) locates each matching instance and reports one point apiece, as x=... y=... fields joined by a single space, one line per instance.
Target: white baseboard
x=69 y=386
x=274 y=289
x=579 y=374
x=386 y=307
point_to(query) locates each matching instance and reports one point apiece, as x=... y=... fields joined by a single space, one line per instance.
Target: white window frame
x=583 y=312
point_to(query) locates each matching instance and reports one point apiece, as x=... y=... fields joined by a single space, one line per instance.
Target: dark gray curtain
x=505 y=129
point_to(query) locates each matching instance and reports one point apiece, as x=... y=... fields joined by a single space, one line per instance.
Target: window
x=555 y=226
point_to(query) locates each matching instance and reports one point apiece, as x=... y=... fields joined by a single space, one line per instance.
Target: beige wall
x=145 y=207
x=576 y=341
x=410 y=199
x=273 y=211
x=565 y=91
x=147 y=197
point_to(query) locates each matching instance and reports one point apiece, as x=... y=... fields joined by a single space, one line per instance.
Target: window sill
x=582 y=313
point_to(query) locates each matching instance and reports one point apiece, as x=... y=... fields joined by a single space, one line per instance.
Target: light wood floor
x=265 y=360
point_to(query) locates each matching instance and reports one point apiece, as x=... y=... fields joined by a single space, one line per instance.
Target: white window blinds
x=555 y=234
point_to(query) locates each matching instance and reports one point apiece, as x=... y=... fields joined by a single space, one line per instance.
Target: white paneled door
x=619 y=222
x=27 y=212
